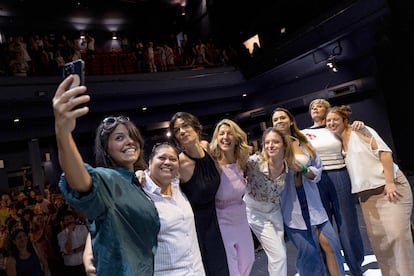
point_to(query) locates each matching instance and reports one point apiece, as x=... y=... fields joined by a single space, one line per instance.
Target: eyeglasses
x=110 y=122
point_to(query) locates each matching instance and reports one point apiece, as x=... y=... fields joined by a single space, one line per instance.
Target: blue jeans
x=310 y=258
x=339 y=202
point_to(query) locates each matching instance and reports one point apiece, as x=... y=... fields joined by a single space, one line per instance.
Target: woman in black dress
x=199 y=180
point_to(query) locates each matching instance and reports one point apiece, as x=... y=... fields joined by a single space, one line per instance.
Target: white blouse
x=364 y=166
x=178 y=252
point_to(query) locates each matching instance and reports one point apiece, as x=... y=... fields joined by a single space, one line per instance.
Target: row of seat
x=109 y=63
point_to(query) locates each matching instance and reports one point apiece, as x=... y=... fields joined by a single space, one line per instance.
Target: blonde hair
x=289 y=155
x=322 y=102
x=242 y=148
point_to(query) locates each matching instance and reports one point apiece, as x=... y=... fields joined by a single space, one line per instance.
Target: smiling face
x=163 y=164
x=273 y=145
x=122 y=148
x=281 y=121
x=226 y=139
x=335 y=123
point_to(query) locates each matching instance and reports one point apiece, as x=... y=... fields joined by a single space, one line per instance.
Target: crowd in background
x=45 y=54
x=43 y=217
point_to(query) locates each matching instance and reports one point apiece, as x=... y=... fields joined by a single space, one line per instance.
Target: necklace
x=275 y=171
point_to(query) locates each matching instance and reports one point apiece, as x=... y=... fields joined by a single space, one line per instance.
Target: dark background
x=373 y=40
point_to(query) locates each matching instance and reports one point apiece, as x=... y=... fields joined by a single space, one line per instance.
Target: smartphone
x=76 y=68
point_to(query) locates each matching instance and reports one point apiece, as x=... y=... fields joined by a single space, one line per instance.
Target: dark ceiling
x=229 y=21
x=289 y=73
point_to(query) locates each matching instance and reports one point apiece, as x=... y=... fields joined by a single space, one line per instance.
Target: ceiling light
x=332 y=63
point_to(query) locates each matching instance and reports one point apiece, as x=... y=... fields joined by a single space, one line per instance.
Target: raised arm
x=66 y=112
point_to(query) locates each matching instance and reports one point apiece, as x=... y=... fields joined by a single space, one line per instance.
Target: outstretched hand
x=65 y=104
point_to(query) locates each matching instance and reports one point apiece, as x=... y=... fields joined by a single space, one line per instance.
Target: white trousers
x=266 y=222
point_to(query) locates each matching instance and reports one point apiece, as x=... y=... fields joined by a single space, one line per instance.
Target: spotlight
x=331 y=63
x=114 y=37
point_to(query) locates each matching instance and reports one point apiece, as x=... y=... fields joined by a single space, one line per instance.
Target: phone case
x=76 y=68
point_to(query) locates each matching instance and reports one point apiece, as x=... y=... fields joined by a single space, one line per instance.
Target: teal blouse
x=123 y=221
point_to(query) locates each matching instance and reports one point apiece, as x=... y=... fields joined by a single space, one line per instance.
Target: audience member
x=44 y=236
x=26 y=219
x=151 y=57
x=229 y=147
x=18 y=66
x=28 y=184
x=59 y=61
x=72 y=243
x=25 y=258
x=5 y=211
x=41 y=203
x=162 y=58
x=170 y=57
x=31 y=198
x=384 y=193
x=140 y=56
x=90 y=45
x=201 y=50
x=124 y=222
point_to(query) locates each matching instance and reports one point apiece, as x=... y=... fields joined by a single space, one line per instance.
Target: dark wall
x=396 y=73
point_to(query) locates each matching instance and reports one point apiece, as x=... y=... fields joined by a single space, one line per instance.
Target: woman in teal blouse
x=124 y=222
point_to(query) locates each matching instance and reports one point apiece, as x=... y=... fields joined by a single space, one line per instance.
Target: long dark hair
x=295 y=132
x=14 y=251
x=102 y=158
x=189 y=119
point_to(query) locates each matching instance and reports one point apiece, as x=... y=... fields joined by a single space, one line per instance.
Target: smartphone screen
x=76 y=68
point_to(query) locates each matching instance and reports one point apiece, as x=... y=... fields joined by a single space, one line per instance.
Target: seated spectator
x=18 y=66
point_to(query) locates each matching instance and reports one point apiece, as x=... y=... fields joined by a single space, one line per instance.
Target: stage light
x=332 y=63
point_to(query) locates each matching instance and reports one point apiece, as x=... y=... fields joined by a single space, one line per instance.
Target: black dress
x=201 y=192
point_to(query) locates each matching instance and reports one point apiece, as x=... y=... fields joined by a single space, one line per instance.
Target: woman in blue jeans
x=305 y=219
x=335 y=185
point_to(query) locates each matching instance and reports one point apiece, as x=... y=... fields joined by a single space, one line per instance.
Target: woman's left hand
x=390 y=190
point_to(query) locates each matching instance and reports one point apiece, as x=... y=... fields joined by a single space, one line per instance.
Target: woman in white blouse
x=384 y=193
x=178 y=252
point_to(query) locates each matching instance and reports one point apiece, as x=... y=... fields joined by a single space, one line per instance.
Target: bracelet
x=304 y=169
